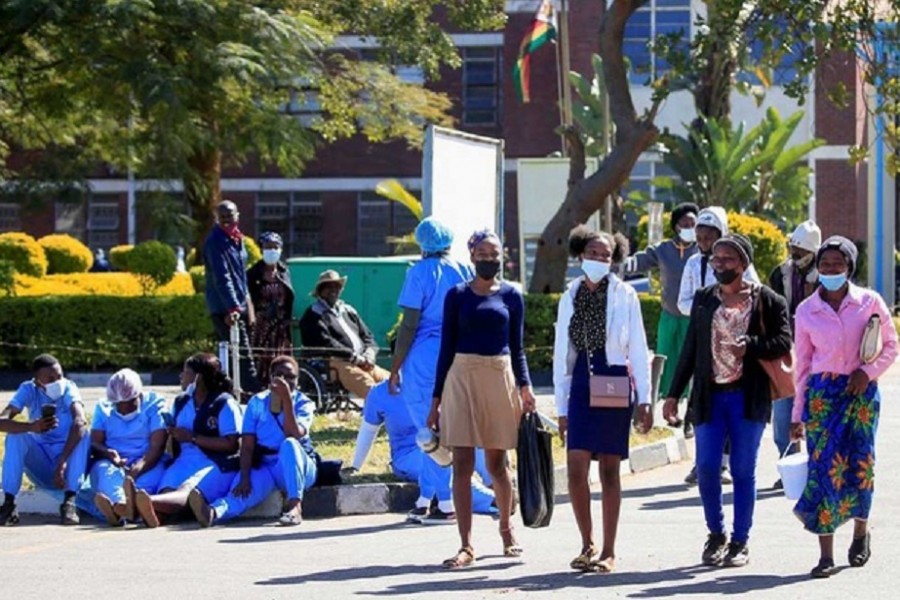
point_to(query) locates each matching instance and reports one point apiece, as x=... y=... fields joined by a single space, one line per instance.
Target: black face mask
x=487 y=269
x=726 y=277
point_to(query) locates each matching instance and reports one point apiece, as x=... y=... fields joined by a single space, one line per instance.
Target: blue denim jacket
x=226 y=272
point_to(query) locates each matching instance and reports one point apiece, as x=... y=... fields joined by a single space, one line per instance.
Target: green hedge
x=90 y=332
x=540 y=319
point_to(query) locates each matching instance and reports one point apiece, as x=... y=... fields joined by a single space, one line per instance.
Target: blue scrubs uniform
x=38 y=453
x=193 y=469
x=131 y=439
x=291 y=470
x=407 y=459
x=427 y=283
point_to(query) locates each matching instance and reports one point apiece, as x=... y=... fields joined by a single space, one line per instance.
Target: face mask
x=189 y=390
x=688 y=235
x=804 y=262
x=56 y=389
x=594 y=269
x=130 y=416
x=726 y=277
x=833 y=283
x=487 y=269
x=230 y=229
x=271 y=256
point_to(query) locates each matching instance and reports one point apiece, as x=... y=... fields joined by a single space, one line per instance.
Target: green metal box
x=373 y=286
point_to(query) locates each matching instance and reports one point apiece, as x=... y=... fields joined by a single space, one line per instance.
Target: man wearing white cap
x=795 y=279
x=128 y=433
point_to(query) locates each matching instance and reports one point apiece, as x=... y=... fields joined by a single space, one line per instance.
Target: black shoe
x=824 y=569
x=68 y=514
x=417 y=514
x=715 y=549
x=439 y=517
x=778 y=485
x=9 y=514
x=691 y=479
x=688 y=429
x=738 y=555
x=860 y=550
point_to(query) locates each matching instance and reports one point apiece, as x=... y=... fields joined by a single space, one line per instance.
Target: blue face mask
x=833 y=283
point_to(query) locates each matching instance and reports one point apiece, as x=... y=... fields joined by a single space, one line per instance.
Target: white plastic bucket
x=794 y=471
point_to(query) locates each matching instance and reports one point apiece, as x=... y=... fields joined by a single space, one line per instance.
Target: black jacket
x=320 y=328
x=696 y=355
x=256 y=281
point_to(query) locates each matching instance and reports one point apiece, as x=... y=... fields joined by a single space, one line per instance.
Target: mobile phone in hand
x=48 y=410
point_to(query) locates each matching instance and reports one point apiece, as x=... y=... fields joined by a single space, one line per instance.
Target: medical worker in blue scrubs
x=52 y=446
x=206 y=423
x=406 y=457
x=415 y=353
x=276 y=452
x=128 y=433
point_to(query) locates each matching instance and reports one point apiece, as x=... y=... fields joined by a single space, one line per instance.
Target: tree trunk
x=633 y=136
x=203 y=192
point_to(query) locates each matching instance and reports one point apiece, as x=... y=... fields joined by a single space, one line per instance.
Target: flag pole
x=559 y=97
x=566 y=62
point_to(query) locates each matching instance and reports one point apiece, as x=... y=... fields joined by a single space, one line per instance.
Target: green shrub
x=154 y=263
x=7 y=278
x=25 y=254
x=540 y=324
x=198 y=278
x=65 y=254
x=118 y=256
x=91 y=332
x=769 y=243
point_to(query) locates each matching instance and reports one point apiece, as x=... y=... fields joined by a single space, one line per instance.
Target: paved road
x=661 y=535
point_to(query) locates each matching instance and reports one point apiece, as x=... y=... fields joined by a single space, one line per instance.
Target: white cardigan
x=626 y=342
x=691 y=281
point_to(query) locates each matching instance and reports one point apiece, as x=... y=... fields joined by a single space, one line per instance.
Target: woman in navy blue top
x=482 y=387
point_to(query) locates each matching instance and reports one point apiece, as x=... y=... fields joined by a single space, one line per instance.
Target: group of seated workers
x=140 y=459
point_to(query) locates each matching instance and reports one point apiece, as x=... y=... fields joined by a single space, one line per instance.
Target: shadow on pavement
x=376 y=571
x=646 y=492
x=726 y=585
x=298 y=533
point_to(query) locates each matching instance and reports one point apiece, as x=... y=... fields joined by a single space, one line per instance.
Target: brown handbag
x=780 y=371
x=607 y=391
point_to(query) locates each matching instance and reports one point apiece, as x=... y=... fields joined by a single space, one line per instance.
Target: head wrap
x=715 y=217
x=123 y=386
x=433 y=236
x=480 y=236
x=845 y=247
x=682 y=209
x=270 y=237
x=741 y=244
x=807 y=236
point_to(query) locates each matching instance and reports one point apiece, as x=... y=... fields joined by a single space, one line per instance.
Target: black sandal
x=824 y=569
x=860 y=550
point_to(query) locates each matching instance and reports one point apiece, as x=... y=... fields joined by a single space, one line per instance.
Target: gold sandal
x=583 y=561
x=512 y=550
x=606 y=565
x=465 y=557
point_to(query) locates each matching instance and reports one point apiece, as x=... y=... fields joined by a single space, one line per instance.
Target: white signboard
x=462 y=184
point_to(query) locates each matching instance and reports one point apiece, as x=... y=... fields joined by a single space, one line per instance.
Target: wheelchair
x=319 y=381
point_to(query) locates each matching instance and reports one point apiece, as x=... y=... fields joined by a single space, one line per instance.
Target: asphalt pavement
x=661 y=534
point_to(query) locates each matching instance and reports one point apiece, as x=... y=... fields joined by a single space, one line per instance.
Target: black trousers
x=249 y=380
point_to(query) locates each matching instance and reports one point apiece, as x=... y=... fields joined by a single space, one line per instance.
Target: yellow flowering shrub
x=66 y=254
x=118 y=256
x=98 y=284
x=24 y=252
x=769 y=243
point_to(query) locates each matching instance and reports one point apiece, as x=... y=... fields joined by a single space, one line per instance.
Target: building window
x=481 y=86
x=9 y=217
x=303 y=104
x=295 y=216
x=412 y=74
x=378 y=220
x=103 y=223
x=70 y=219
x=655 y=18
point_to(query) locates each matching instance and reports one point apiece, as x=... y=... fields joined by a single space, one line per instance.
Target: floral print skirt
x=840 y=437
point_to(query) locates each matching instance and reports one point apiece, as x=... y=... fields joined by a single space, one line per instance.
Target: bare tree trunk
x=203 y=192
x=633 y=136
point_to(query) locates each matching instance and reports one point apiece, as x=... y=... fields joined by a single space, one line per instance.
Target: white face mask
x=271 y=256
x=594 y=269
x=189 y=390
x=130 y=416
x=56 y=389
x=688 y=235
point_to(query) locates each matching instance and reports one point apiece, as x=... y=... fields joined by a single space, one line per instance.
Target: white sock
x=445 y=506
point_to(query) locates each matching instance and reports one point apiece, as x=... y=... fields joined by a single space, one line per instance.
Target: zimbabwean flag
x=541 y=31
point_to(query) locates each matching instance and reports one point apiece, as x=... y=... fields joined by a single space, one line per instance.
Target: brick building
x=333 y=210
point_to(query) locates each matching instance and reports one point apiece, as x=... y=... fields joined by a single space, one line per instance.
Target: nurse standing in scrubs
x=416 y=350
x=128 y=432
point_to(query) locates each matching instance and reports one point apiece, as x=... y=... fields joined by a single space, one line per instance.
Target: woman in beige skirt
x=482 y=387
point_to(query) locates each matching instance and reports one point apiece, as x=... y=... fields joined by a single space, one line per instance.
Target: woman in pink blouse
x=837 y=402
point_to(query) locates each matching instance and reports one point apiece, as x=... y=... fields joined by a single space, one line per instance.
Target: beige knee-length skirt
x=480 y=406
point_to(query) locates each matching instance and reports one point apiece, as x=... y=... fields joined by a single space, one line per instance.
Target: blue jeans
x=727 y=420
x=781 y=424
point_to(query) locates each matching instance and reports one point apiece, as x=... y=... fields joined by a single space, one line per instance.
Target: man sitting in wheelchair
x=333 y=327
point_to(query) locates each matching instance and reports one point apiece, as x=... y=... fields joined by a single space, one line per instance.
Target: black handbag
x=534 y=463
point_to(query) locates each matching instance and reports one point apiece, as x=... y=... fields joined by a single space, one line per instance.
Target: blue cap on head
x=433 y=236
x=270 y=237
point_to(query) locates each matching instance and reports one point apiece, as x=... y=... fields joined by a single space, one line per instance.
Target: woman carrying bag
x=845 y=341
x=600 y=365
x=735 y=326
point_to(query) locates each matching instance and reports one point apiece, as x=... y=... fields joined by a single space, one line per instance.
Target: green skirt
x=670 y=336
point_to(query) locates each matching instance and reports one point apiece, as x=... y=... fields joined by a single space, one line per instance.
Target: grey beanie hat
x=740 y=243
x=842 y=245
